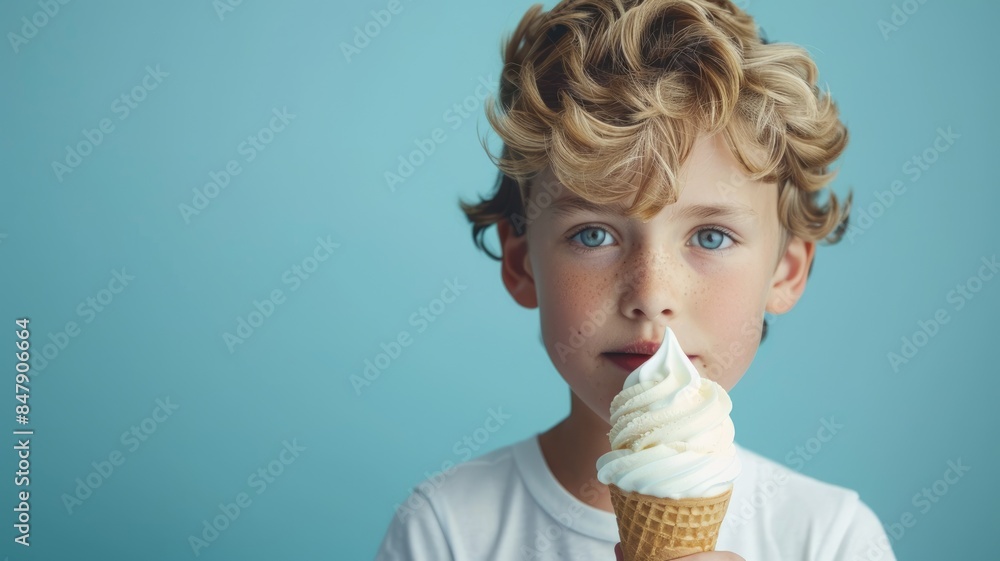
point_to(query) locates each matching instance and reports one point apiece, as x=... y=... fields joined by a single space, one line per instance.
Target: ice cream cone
x=657 y=529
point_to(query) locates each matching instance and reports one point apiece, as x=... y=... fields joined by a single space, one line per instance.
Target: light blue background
x=162 y=336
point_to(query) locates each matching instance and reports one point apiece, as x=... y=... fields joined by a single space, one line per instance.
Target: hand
x=707 y=556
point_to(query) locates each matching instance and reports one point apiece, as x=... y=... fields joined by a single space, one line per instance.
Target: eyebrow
x=566 y=206
x=700 y=212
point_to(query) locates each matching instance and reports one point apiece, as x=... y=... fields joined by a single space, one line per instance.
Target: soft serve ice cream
x=671 y=433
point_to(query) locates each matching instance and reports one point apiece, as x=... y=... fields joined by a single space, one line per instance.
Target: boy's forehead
x=711 y=184
x=568 y=204
x=709 y=176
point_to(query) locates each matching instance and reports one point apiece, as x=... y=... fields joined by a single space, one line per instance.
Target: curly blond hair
x=611 y=94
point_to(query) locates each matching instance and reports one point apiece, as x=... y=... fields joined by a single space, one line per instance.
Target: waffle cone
x=656 y=529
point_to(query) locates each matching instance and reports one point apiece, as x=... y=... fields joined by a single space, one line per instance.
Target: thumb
x=619 y=556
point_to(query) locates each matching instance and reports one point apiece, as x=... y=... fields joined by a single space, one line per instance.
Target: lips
x=627 y=361
x=632 y=361
x=633 y=355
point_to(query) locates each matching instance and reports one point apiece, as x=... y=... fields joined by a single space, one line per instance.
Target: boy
x=661 y=167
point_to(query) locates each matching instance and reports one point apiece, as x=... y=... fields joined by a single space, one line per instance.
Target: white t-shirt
x=507 y=505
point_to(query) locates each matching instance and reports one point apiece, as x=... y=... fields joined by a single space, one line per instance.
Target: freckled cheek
x=727 y=310
x=567 y=292
x=731 y=323
x=556 y=303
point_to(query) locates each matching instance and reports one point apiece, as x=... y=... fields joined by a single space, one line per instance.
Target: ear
x=789 y=280
x=515 y=265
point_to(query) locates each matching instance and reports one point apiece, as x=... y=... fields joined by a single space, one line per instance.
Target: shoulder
x=769 y=477
x=444 y=494
x=454 y=505
x=776 y=490
x=480 y=478
x=775 y=500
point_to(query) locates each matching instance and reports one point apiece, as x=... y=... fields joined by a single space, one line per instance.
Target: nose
x=653 y=285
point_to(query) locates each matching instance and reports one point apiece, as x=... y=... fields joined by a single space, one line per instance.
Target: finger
x=619 y=556
x=712 y=556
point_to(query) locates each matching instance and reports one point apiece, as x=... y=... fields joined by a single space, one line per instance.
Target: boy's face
x=605 y=283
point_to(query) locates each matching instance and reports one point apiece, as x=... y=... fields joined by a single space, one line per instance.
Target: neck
x=571 y=449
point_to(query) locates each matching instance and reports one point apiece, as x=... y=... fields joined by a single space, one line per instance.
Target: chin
x=603 y=411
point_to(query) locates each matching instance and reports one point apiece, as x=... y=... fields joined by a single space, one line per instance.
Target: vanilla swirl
x=671 y=433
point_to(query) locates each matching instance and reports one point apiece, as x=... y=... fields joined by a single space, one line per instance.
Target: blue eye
x=712 y=238
x=592 y=237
